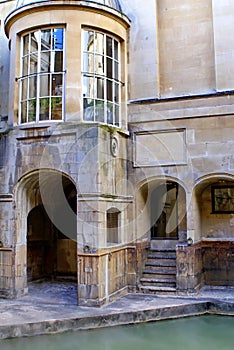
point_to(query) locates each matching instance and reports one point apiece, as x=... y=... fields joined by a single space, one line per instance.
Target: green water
x=193 y=333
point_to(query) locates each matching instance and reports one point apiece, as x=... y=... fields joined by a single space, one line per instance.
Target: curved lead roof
x=115 y=4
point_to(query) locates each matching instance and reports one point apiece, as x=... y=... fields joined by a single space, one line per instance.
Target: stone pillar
x=6 y=251
x=13 y=274
x=92 y=269
x=189 y=277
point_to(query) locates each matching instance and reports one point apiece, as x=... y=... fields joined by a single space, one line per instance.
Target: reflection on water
x=204 y=332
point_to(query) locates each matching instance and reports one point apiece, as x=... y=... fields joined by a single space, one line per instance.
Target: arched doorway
x=47 y=227
x=168 y=222
x=162 y=214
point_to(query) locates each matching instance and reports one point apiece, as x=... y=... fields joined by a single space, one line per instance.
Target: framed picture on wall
x=222 y=199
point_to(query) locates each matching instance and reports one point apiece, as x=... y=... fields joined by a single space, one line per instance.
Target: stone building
x=116 y=145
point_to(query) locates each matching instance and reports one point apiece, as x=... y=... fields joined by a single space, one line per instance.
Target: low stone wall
x=208 y=262
x=106 y=274
x=218 y=262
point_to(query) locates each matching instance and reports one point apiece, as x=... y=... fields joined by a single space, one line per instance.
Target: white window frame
x=114 y=81
x=37 y=76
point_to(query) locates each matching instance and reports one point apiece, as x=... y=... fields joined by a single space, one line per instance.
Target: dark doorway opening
x=164 y=212
x=51 y=253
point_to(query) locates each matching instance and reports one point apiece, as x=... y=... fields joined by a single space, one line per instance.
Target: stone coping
x=32 y=319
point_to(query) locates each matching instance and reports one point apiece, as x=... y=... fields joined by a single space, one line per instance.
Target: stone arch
x=145 y=191
x=46 y=226
x=214 y=229
x=210 y=225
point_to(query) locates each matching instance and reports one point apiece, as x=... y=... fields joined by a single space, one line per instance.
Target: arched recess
x=213 y=222
x=213 y=203
x=113 y=225
x=161 y=211
x=46 y=227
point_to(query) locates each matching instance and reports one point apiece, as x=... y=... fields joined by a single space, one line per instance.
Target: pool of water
x=194 y=333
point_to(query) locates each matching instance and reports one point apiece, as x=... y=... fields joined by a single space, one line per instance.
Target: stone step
x=152 y=275
x=157 y=290
x=161 y=263
x=158 y=272
x=160 y=282
x=161 y=256
x=159 y=275
x=163 y=249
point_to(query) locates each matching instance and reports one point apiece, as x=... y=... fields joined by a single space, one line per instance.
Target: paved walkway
x=52 y=308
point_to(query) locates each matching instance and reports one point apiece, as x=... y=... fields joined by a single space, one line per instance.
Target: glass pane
x=44 y=108
x=88 y=41
x=34 y=41
x=24 y=112
x=116 y=70
x=109 y=68
x=24 y=86
x=57 y=39
x=116 y=93
x=25 y=65
x=45 y=40
x=117 y=115
x=109 y=48
x=56 y=108
x=116 y=50
x=99 y=111
x=99 y=65
x=85 y=62
x=25 y=45
x=88 y=107
x=45 y=85
x=33 y=63
x=33 y=86
x=85 y=87
x=100 y=88
x=32 y=110
x=109 y=90
x=88 y=87
x=99 y=43
x=45 y=61
x=57 y=84
x=88 y=63
x=57 y=61
x=110 y=113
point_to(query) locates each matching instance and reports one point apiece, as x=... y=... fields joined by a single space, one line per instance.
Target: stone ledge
x=113 y=316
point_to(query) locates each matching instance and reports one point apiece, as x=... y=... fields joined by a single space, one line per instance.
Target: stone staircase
x=159 y=274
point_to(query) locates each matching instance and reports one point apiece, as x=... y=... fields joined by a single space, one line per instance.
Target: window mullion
x=28 y=73
x=38 y=78
x=94 y=77
x=50 y=72
x=50 y=93
x=63 y=77
x=105 y=81
x=20 y=81
x=119 y=83
x=113 y=82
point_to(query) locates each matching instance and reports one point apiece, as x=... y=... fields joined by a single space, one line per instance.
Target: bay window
x=41 y=80
x=101 y=78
